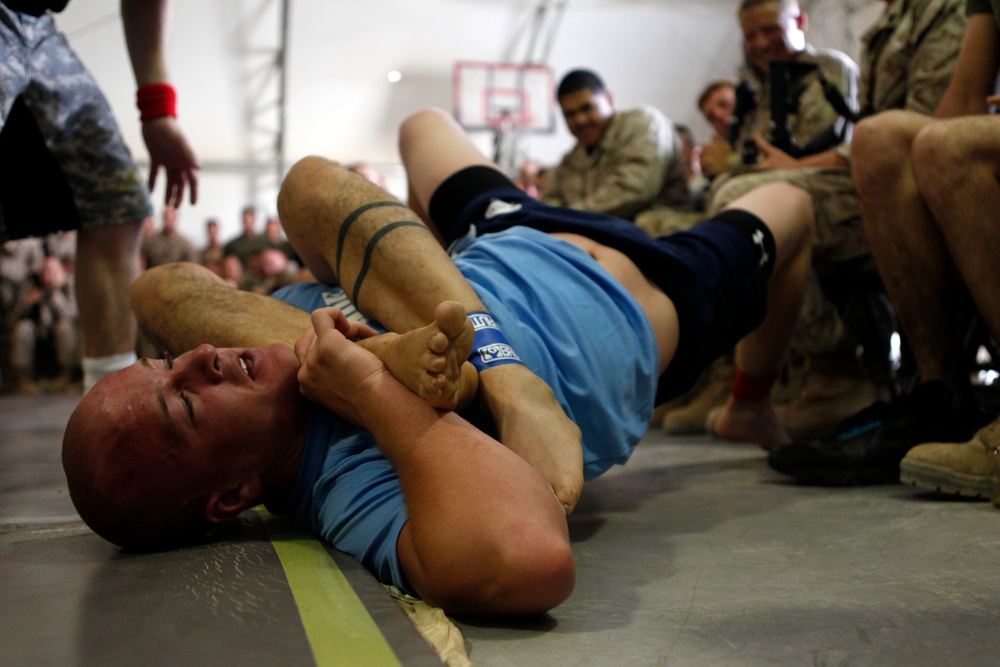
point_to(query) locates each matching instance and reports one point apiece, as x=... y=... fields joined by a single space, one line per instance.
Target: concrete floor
x=695 y=553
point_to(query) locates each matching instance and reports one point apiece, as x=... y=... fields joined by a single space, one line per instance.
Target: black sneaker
x=867 y=448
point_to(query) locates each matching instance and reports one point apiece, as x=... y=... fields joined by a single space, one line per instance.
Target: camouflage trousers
x=49 y=103
x=839 y=245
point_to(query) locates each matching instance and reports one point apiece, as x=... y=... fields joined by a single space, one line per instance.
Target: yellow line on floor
x=339 y=628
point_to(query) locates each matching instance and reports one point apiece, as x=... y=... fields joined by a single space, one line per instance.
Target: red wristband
x=156 y=100
x=752 y=388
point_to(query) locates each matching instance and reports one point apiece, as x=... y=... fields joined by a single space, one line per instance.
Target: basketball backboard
x=504 y=96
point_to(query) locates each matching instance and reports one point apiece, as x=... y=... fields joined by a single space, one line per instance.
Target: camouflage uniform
x=40 y=72
x=636 y=164
x=163 y=248
x=907 y=60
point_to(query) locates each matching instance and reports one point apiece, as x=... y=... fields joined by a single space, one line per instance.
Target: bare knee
x=308 y=180
x=881 y=148
x=942 y=160
x=154 y=287
x=416 y=125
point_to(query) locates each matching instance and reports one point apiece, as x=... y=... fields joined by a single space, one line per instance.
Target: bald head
x=127 y=482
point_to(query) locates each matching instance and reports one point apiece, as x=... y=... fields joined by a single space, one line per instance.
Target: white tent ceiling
x=340 y=103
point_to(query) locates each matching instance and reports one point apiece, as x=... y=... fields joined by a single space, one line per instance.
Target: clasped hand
x=336 y=372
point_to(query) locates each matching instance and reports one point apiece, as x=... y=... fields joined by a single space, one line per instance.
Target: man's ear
x=225 y=505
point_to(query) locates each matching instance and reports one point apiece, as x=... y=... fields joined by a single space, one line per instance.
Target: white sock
x=95 y=368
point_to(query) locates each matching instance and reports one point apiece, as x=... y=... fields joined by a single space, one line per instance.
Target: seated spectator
x=717 y=102
x=271 y=270
x=626 y=163
x=907 y=58
x=20 y=261
x=928 y=194
x=276 y=239
x=527 y=178
x=45 y=331
x=541 y=180
x=168 y=244
x=371 y=174
x=249 y=242
x=696 y=182
x=212 y=253
x=232 y=271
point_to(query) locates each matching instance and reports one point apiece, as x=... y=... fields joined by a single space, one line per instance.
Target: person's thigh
x=883 y=142
x=960 y=143
x=433 y=147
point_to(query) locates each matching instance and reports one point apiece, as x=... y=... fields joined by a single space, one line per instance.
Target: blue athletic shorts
x=715 y=273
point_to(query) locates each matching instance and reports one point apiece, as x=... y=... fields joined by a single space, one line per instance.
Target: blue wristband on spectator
x=490 y=347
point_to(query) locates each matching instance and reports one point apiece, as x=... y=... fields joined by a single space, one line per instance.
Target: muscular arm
x=486 y=535
x=976 y=71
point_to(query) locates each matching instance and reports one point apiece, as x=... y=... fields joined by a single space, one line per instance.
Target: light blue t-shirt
x=570 y=322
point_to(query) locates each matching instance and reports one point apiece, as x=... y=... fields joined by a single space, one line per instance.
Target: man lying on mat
x=352 y=440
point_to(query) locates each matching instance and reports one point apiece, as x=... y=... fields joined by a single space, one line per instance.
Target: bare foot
x=532 y=424
x=741 y=421
x=429 y=360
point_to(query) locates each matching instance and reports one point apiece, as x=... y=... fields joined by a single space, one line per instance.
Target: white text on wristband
x=490 y=347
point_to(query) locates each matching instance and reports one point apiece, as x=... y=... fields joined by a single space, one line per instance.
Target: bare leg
x=107 y=262
x=319 y=196
x=906 y=242
x=788 y=213
x=434 y=147
x=955 y=163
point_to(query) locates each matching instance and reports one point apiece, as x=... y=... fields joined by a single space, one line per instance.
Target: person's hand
x=335 y=371
x=168 y=148
x=32 y=296
x=714 y=156
x=772 y=157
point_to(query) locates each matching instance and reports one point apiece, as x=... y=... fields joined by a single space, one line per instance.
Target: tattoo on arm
x=370 y=249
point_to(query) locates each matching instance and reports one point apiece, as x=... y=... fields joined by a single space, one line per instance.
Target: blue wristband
x=490 y=347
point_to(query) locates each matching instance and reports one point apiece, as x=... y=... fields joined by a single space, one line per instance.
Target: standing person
x=168 y=244
x=61 y=130
x=626 y=163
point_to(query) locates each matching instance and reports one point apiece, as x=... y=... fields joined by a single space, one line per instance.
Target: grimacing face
x=228 y=411
x=587 y=115
x=771 y=32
